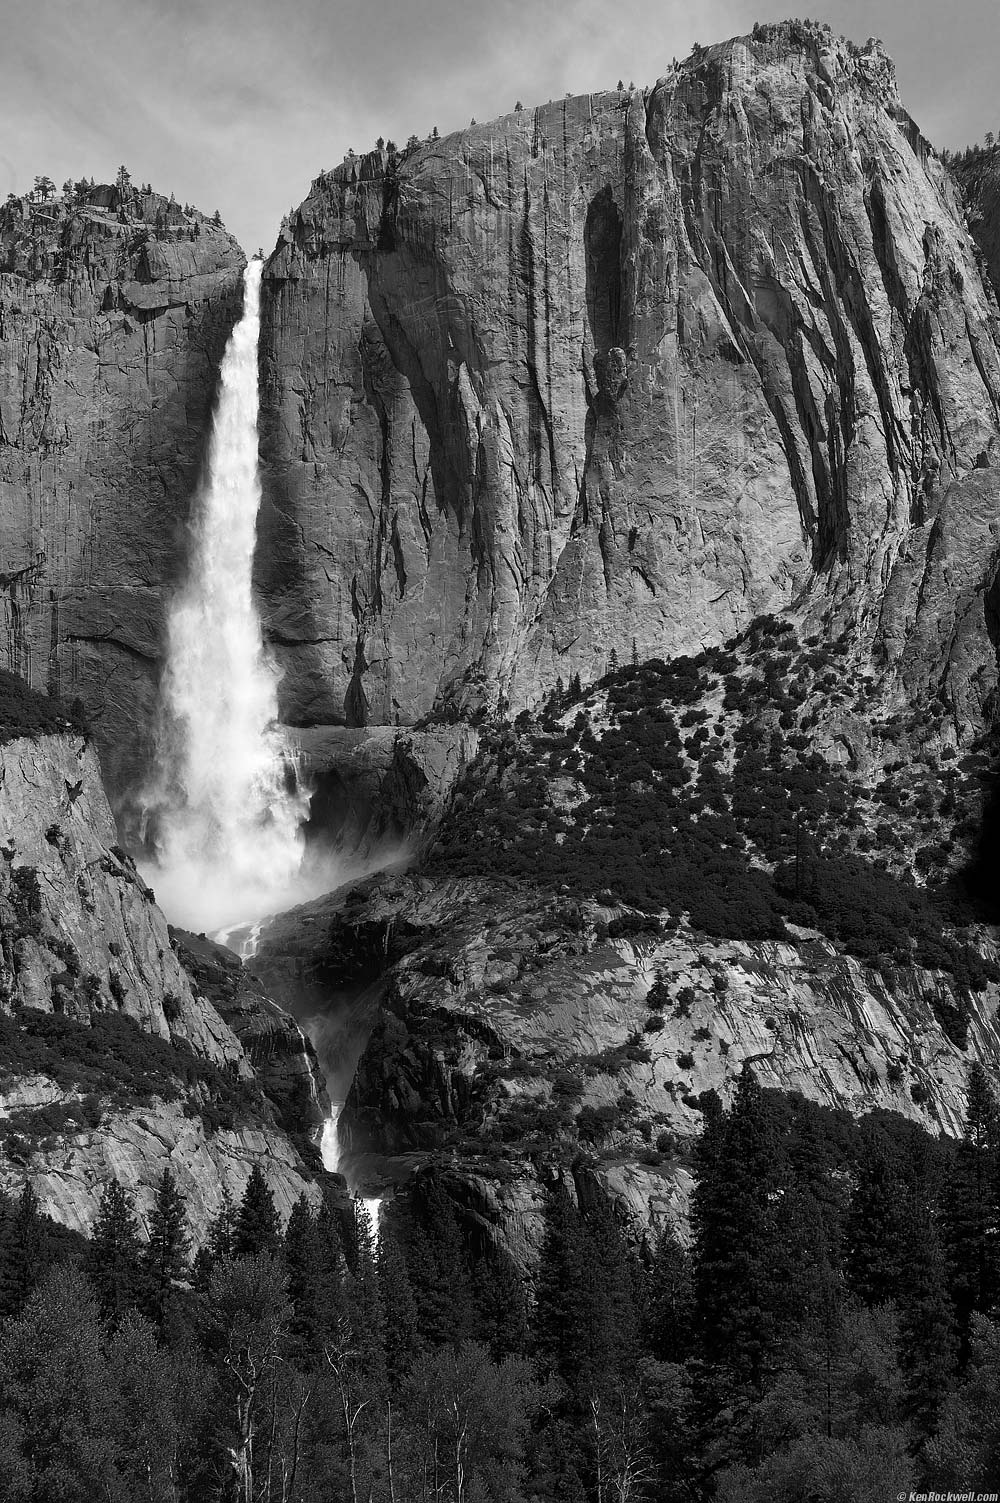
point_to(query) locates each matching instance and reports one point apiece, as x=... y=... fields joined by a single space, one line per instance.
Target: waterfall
x=227 y=803
x=329 y=1143
x=329 y=1147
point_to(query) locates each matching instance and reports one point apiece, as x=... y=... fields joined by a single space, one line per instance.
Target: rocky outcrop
x=617 y=374
x=505 y=971
x=114 y=312
x=379 y=793
x=114 y=1060
x=70 y=1170
x=513 y=1033
x=282 y=1057
x=81 y=929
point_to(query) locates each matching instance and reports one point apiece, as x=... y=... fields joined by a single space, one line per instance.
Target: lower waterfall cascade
x=329 y=1147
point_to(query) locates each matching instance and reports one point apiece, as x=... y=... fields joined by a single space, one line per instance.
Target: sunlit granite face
x=620 y=373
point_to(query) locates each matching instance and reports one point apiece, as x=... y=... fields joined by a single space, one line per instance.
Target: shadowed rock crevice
x=602 y=238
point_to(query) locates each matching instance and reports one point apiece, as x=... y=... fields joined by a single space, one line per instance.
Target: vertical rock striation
x=620 y=373
x=114 y=310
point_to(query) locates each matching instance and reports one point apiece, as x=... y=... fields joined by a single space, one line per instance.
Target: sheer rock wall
x=620 y=373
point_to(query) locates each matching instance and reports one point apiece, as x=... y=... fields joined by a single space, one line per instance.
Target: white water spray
x=228 y=844
x=329 y=1142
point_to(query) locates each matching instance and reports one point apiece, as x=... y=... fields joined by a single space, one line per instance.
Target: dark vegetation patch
x=836 y=1311
x=26 y=712
x=115 y=1064
x=745 y=829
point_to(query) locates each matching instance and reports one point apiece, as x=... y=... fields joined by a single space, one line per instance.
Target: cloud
x=238 y=104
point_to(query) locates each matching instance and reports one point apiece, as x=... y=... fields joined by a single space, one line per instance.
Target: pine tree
x=669 y=1303
x=307 y=1270
x=554 y=1309
x=799 y=1251
x=809 y=1157
x=436 y=1263
x=329 y=1229
x=222 y=1231
x=363 y=1305
x=587 y=1325
x=928 y=1348
x=217 y=1246
x=21 y=1252
x=614 y=1281
x=818 y=1346
x=502 y=1306
x=971 y=1221
x=966 y=1450
x=56 y=1397
x=257 y=1229
x=875 y=1229
x=165 y=1259
x=113 y=1260
x=402 y=1335
x=733 y=1221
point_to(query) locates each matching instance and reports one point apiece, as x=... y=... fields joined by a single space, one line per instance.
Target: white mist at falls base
x=227 y=805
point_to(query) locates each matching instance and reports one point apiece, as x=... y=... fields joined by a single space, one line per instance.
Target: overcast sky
x=237 y=104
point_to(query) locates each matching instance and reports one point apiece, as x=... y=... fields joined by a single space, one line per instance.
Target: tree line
x=830 y=1332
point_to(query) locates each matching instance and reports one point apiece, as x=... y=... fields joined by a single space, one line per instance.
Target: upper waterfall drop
x=228 y=805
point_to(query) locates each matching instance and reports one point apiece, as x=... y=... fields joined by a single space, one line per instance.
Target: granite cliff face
x=620 y=373
x=114 y=311
x=115 y=1059
x=81 y=930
